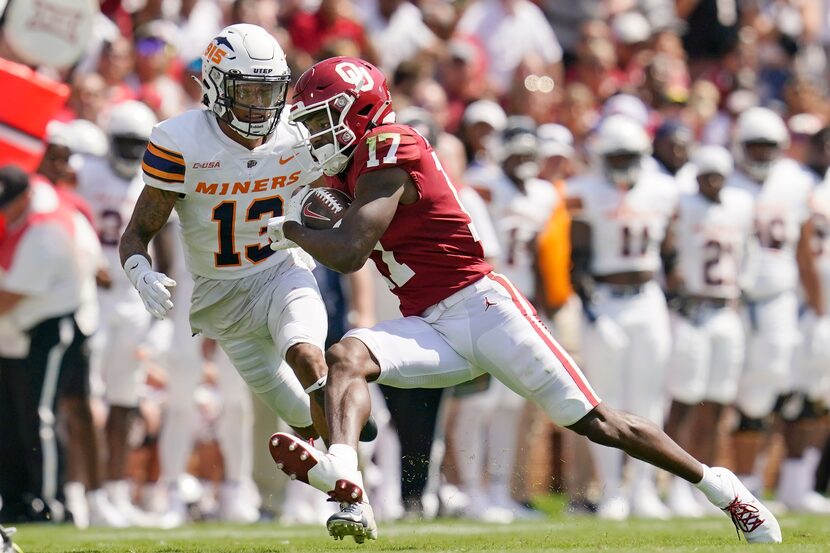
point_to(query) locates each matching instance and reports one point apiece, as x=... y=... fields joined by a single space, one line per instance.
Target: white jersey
x=780 y=211
x=712 y=240
x=519 y=216
x=627 y=226
x=227 y=192
x=112 y=199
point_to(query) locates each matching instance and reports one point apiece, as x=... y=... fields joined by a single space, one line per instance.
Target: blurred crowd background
x=467 y=74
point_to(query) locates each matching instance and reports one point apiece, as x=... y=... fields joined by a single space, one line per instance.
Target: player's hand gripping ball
x=323 y=208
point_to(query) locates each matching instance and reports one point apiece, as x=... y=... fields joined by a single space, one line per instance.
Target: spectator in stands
x=509 y=30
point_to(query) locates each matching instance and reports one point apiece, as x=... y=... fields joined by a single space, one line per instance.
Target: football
x=323 y=208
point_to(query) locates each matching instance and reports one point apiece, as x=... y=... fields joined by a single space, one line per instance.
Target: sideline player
x=111 y=185
x=619 y=242
x=460 y=319
x=227 y=169
x=714 y=238
x=780 y=189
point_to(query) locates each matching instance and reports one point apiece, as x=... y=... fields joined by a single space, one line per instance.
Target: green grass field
x=803 y=534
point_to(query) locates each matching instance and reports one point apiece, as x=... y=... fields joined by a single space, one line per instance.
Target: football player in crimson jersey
x=460 y=319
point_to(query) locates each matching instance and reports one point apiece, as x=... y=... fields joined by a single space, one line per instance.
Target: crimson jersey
x=431 y=249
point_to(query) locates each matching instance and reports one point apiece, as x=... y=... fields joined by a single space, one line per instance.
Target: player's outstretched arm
x=346 y=248
x=151 y=212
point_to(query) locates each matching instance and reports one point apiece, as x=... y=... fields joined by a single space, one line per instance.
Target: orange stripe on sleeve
x=165 y=154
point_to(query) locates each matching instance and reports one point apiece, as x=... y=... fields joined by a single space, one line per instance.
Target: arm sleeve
x=163 y=164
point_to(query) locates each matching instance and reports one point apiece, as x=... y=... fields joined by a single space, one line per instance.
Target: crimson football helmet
x=338 y=101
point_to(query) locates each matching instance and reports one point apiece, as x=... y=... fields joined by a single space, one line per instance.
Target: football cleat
x=8 y=546
x=354 y=519
x=303 y=462
x=749 y=515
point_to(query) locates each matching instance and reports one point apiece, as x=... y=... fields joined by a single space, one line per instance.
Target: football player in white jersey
x=227 y=169
x=620 y=217
x=811 y=374
x=714 y=234
x=780 y=188
x=111 y=186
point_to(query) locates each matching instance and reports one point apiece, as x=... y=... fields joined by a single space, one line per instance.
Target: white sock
x=346 y=453
x=714 y=488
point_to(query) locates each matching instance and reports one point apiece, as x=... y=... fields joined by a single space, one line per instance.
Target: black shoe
x=370 y=430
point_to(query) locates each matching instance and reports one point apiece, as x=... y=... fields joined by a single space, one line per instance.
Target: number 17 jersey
x=227 y=192
x=430 y=249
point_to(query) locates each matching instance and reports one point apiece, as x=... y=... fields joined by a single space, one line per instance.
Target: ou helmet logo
x=355 y=75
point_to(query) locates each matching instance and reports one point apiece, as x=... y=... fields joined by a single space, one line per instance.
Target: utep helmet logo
x=355 y=75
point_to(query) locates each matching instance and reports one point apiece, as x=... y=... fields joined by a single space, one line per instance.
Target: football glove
x=151 y=285
x=293 y=210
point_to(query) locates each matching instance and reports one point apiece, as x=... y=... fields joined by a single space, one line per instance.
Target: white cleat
x=647 y=505
x=614 y=508
x=748 y=514
x=812 y=502
x=308 y=464
x=236 y=506
x=682 y=501
x=354 y=519
x=104 y=513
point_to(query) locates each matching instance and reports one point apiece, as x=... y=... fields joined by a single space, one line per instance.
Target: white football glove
x=292 y=212
x=151 y=285
x=276 y=234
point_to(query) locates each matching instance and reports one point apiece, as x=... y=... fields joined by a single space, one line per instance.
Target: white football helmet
x=626 y=141
x=759 y=125
x=245 y=79
x=128 y=130
x=712 y=159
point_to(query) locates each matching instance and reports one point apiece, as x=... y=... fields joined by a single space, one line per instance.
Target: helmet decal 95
x=245 y=79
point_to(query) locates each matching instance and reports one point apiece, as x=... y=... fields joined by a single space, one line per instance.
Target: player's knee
x=345 y=359
x=304 y=355
x=603 y=426
x=612 y=428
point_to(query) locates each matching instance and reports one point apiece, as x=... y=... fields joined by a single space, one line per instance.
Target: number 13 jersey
x=430 y=249
x=227 y=192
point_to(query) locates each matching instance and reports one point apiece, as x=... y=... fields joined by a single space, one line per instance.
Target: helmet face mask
x=128 y=131
x=245 y=80
x=620 y=146
x=757 y=158
x=623 y=168
x=760 y=138
x=326 y=134
x=339 y=100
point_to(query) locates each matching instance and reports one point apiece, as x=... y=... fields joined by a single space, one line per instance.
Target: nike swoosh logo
x=284 y=160
x=308 y=213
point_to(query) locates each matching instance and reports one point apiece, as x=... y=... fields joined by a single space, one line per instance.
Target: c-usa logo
x=354 y=74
